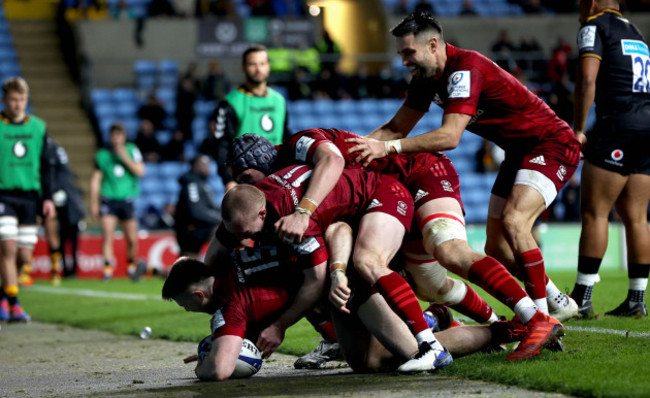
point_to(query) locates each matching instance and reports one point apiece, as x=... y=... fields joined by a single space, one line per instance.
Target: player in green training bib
x=252 y=108
x=25 y=179
x=114 y=182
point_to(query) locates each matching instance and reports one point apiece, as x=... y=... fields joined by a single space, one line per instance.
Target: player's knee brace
x=455 y=295
x=428 y=277
x=8 y=228
x=27 y=236
x=442 y=227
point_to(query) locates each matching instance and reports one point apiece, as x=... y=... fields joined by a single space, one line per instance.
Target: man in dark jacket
x=197 y=213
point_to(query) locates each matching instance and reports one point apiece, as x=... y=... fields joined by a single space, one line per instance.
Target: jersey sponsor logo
x=266 y=123
x=538 y=160
x=587 y=37
x=402 y=207
x=118 y=170
x=446 y=185
x=419 y=195
x=561 y=173
x=302 y=148
x=640 y=56
x=373 y=204
x=617 y=154
x=217 y=321
x=458 y=85
x=634 y=47
x=20 y=150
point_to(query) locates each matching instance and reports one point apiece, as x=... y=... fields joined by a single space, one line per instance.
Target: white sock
x=525 y=309
x=427 y=335
x=541 y=304
x=554 y=297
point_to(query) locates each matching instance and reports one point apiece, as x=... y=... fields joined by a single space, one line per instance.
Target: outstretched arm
x=444 y=138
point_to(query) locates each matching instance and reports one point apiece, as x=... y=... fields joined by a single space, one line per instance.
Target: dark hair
x=253 y=48
x=416 y=23
x=198 y=158
x=117 y=127
x=183 y=273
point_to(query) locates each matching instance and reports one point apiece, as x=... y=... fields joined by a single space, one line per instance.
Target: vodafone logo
x=617 y=154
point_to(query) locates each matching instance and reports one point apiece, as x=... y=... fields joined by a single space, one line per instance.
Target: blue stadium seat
x=121 y=95
x=150 y=186
x=164 y=136
x=171 y=170
x=168 y=67
x=298 y=108
x=101 y=95
x=105 y=110
x=152 y=170
x=344 y=107
x=323 y=107
x=127 y=109
x=204 y=108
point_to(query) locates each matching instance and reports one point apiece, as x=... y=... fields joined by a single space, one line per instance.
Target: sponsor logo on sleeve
x=217 y=321
x=459 y=84
x=587 y=37
x=302 y=148
x=309 y=246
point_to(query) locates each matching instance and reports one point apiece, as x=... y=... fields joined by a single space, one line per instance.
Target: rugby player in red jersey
x=433 y=182
x=384 y=209
x=542 y=152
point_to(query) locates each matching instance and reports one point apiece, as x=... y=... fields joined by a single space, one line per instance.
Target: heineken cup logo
x=19 y=149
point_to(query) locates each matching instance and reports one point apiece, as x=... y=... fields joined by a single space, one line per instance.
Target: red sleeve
x=312 y=251
x=304 y=144
x=230 y=320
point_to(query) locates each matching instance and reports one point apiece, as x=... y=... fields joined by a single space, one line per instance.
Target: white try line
x=617 y=332
x=625 y=333
x=94 y=293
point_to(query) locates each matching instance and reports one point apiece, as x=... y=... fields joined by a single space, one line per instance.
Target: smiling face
x=419 y=54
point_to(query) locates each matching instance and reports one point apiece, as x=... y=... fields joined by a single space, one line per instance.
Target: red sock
x=532 y=265
x=495 y=279
x=473 y=306
x=400 y=297
x=326 y=329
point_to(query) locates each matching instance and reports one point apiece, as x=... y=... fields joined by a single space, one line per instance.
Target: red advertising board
x=158 y=249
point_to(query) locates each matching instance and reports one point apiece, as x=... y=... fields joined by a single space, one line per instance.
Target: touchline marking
x=625 y=333
x=93 y=293
x=617 y=332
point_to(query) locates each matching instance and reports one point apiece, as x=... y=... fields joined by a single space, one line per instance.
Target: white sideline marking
x=93 y=293
x=617 y=332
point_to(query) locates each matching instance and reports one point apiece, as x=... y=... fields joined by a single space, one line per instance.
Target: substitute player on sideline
x=541 y=150
x=25 y=180
x=614 y=69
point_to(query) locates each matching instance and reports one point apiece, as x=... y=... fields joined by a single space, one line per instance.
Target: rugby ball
x=248 y=363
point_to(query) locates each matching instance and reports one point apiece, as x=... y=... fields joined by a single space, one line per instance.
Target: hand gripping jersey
x=623 y=82
x=503 y=110
x=357 y=192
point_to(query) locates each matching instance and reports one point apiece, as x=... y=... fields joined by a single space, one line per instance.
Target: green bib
x=264 y=116
x=21 y=146
x=118 y=182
